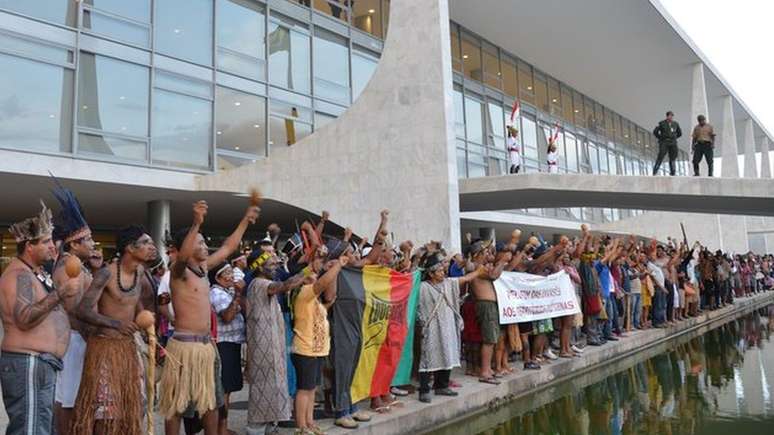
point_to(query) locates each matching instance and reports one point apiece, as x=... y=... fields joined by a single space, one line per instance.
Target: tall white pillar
x=765 y=163
x=750 y=168
x=729 y=147
x=159 y=223
x=699 y=104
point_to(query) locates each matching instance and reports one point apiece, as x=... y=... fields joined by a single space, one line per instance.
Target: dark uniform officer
x=667 y=132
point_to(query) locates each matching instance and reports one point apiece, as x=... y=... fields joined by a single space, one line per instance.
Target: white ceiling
x=623 y=53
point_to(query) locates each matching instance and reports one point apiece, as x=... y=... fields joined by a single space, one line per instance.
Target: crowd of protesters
x=232 y=316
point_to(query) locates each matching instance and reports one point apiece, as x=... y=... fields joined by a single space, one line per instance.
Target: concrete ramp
x=735 y=196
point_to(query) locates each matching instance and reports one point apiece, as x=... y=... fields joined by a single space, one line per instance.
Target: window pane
x=528 y=135
x=593 y=157
x=459 y=114
x=289 y=64
x=331 y=66
x=577 y=108
x=510 y=85
x=285 y=131
x=567 y=112
x=366 y=16
x=335 y=8
x=229 y=162
x=554 y=97
x=112 y=146
x=36 y=105
x=363 y=68
x=455 y=48
x=473 y=120
x=56 y=11
x=572 y=152
x=492 y=67
x=183 y=85
x=471 y=58
x=541 y=92
x=183 y=29
x=322 y=119
x=495 y=127
x=118 y=25
x=113 y=95
x=461 y=162
x=241 y=36
x=241 y=122
x=526 y=88
x=182 y=132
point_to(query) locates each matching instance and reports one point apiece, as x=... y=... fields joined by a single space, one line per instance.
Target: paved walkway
x=415 y=417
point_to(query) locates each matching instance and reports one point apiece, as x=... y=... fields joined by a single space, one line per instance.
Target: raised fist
x=252 y=214
x=199 y=212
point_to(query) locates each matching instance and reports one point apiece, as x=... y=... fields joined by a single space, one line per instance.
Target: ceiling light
x=52 y=116
x=529 y=88
x=85 y=107
x=553 y=100
x=220 y=132
x=464 y=56
x=237 y=103
x=253 y=161
x=371 y=11
x=236 y=148
x=176 y=30
x=499 y=73
x=256 y=126
x=626 y=135
x=577 y=111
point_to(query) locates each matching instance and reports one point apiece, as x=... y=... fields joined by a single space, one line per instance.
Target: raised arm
x=294 y=281
x=324 y=217
x=472 y=275
x=87 y=309
x=327 y=282
x=500 y=266
x=177 y=270
x=231 y=244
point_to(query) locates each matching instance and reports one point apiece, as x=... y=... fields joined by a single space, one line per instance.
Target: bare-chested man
x=110 y=401
x=36 y=329
x=487 y=314
x=74 y=235
x=192 y=386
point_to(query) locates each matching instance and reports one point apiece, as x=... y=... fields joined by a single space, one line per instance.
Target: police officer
x=667 y=132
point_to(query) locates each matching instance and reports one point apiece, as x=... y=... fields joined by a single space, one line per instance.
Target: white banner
x=522 y=297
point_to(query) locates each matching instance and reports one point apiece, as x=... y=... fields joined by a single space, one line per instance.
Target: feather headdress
x=69 y=223
x=33 y=228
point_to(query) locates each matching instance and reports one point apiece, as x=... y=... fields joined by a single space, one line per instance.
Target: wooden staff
x=146 y=321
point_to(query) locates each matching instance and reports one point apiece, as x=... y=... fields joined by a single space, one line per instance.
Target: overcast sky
x=737 y=38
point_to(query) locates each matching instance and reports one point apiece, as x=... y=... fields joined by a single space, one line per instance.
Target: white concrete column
x=765 y=161
x=729 y=148
x=750 y=168
x=699 y=104
x=159 y=223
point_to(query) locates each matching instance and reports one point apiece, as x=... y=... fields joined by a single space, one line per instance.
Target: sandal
x=491 y=381
x=381 y=409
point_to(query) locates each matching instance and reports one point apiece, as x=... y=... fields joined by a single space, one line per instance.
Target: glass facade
x=592 y=138
x=191 y=85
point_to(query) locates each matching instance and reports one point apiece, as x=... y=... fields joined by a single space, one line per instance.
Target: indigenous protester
x=195 y=385
x=269 y=400
x=311 y=341
x=36 y=332
x=440 y=323
x=111 y=395
x=74 y=235
x=227 y=304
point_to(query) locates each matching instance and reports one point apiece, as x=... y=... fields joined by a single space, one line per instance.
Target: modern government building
x=143 y=106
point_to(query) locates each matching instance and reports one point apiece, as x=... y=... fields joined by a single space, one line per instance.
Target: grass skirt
x=188 y=379
x=111 y=388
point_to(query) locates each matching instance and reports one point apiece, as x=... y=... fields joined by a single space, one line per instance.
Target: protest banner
x=523 y=297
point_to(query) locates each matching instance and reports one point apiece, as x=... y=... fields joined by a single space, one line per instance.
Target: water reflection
x=716 y=383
